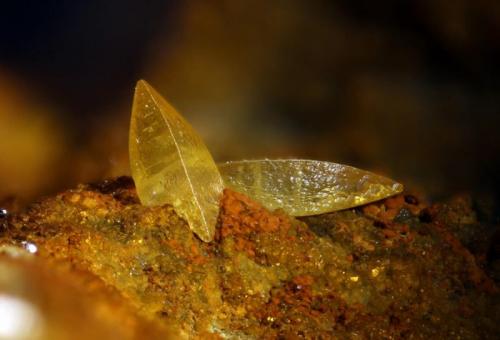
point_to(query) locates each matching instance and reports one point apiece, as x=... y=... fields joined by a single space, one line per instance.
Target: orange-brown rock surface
x=392 y=269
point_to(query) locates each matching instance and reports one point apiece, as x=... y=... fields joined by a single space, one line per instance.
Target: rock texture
x=392 y=269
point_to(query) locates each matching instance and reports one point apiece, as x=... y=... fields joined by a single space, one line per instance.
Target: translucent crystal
x=171 y=164
x=306 y=187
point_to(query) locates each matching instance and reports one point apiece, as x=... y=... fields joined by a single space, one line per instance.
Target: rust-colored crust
x=392 y=269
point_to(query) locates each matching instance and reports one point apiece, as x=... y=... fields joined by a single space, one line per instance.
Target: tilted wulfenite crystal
x=306 y=187
x=171 y=164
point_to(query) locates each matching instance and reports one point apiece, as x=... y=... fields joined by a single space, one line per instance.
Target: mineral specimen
x=306 y=187
x=171 y=164
x=392 y=269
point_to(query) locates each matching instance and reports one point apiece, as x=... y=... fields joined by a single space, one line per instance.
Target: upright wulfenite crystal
x=170 y=163
x=306 y=187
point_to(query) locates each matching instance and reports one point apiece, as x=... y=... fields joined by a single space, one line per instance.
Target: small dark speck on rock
x=379 y=224
x=426 y=216
x=403 y=215
x=410 y=199
x=109 y=186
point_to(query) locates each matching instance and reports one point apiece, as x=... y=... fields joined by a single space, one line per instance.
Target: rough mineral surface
x=392 y=269
x=53 y=301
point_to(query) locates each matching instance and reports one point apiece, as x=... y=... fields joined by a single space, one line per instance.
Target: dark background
x=409 y=89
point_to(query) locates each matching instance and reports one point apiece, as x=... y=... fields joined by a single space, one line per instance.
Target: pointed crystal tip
x=170 y=163
x=306 y=187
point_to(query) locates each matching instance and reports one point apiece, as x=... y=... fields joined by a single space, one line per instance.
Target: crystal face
x=306 y=187
x=170 y=163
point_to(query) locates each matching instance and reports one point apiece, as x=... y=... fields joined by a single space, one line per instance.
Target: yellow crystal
x=170 y=163
x=306 y=187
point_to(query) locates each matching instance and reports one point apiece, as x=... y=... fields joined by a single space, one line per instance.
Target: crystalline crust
x=306 y=187
x=171 y=164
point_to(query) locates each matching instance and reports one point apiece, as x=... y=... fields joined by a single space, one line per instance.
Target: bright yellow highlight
x=170 y=163
x=306 y=187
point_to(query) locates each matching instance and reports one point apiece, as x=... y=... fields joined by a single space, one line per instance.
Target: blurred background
x=407 y=89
